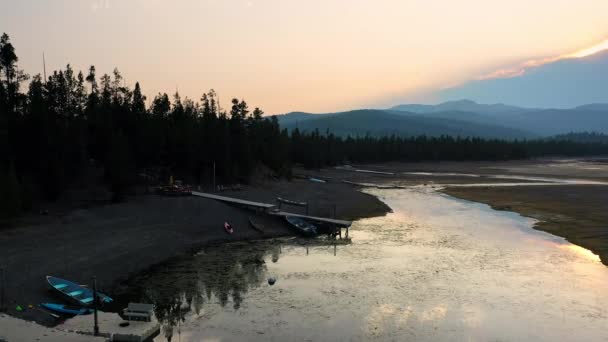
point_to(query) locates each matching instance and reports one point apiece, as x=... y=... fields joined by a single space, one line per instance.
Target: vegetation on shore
x=70 y=124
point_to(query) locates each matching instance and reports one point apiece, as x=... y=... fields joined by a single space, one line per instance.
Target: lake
x=437 y=268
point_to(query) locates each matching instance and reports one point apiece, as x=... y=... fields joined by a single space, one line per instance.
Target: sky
x=302 y=55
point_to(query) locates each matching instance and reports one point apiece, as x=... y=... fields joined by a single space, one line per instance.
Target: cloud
x=525 y=66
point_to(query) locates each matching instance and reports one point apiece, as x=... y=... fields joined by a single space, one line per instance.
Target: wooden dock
x=340 y=223
x=232 y=200
x=110 y=327
x=272 y=209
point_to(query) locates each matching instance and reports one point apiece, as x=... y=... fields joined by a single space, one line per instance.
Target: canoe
x=228 y=228
x=67 y=309
x=256 y=225
x=74 y=292
x=303 y=227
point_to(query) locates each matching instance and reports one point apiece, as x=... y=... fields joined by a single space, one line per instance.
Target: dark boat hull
x=256 y=225
x=302 y=227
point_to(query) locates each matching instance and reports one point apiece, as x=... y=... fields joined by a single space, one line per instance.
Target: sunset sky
x=308 y=55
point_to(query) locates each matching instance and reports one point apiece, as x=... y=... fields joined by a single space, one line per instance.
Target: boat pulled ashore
x=301 y=226
x=75 y=293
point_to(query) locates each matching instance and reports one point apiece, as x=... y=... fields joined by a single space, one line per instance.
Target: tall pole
x=214 y=188
x=219 y=108
x=44 y=67
x=96 y=326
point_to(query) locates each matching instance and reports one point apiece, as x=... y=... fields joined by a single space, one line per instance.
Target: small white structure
x=138 y=312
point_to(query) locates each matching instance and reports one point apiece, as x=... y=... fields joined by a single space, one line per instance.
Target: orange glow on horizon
x=522 y=68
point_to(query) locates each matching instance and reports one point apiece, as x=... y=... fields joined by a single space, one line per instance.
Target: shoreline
x=116 y=242
x=575 y=215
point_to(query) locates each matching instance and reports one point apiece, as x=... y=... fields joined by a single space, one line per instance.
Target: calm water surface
x=438 y=268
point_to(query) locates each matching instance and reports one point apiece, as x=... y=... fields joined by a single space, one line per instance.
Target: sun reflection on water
x=581 y=252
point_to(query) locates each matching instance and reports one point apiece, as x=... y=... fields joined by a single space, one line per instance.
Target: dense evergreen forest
x=73 y=129
x=583 y=137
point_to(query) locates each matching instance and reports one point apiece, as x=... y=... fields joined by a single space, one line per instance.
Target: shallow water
x=438 y=268
x=529 y=180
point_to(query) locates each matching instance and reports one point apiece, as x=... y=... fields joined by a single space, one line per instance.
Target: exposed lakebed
x=437 y=268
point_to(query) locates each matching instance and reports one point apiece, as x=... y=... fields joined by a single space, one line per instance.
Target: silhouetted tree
x=50 y=135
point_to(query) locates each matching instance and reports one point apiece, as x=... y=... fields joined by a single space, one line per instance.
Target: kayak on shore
x=228 y=228
x=67 y=309
x=76 y=293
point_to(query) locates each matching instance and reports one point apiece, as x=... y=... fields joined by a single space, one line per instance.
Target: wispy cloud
x=522 y=68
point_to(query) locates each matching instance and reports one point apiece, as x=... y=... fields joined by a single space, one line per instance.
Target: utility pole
x=44 y=67
x=95 y=326
x=219 y=108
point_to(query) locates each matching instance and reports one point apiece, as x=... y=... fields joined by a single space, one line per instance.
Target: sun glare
x=582 y=252
x=589 y=51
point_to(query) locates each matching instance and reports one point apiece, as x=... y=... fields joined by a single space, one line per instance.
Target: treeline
x=62 y=129
x=583 y=137
x=315 y=150
x=74 y=129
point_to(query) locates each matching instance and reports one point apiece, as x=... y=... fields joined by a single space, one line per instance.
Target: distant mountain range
x=462 y=106
x=455 y=118
x=565 y=83
x=532 y=91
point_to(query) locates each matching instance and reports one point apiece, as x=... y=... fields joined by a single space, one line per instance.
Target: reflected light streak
x=581 y=252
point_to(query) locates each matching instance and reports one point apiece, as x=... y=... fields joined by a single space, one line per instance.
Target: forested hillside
x=541 y=122
x=75 y=128
x=379 y=123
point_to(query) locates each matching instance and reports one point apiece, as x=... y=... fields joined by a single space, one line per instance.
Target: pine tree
x=139 y=100
x=119 y=168
x=10 y=193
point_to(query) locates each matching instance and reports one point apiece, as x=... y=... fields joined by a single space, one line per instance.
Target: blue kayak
x=67 y=309
x=76 y=293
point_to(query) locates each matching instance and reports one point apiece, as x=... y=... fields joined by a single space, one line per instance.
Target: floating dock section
x=15 y=329
x=109 y=327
